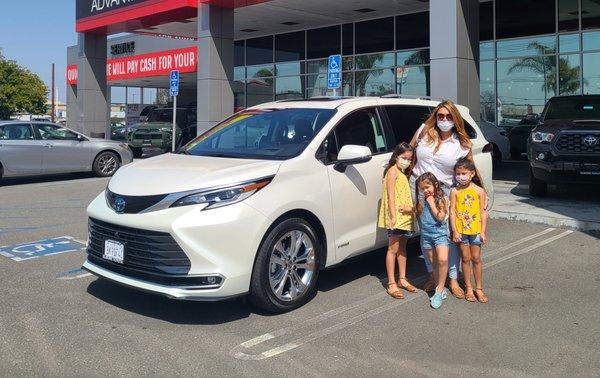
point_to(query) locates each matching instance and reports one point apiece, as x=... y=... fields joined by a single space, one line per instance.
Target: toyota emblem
x=120 y=205
x=590 y=140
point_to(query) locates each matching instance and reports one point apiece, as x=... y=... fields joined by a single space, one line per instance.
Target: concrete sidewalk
x=579 y=210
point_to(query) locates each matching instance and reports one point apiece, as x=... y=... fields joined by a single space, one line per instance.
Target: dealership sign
x=88 y=8
x=153 y=64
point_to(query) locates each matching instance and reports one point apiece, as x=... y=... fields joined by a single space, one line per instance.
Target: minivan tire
x=537 y=187
x=261 y=293
x=106 y=164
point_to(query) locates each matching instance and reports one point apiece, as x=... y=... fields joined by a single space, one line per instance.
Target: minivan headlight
x=223 y=196
x=539 y=137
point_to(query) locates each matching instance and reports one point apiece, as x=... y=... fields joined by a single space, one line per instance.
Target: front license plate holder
x=114 y=251
x=590 y=169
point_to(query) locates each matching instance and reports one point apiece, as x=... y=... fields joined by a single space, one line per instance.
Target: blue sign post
x=334 y=72
x=174 y=90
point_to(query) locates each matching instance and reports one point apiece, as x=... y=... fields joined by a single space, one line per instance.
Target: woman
x=439 y=143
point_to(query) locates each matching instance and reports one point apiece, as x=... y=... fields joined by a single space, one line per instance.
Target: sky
x=36 y=34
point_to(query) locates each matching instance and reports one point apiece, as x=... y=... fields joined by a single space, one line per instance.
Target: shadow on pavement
x=173 y=311
x=45 y=179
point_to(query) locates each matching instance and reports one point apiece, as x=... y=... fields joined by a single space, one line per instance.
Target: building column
x=92 y=99
x=454 y=49
x=215 y=65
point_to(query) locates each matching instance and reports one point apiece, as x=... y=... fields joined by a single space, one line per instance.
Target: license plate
x=590 y=169
x=114 y=251
x=147 y=142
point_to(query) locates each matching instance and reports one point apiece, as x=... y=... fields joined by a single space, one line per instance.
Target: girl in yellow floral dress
x=468 y=221
x=396 y=214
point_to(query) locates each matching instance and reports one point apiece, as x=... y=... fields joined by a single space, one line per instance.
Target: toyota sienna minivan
x=260 y=203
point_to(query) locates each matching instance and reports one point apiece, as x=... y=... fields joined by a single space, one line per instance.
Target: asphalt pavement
x=542 y=318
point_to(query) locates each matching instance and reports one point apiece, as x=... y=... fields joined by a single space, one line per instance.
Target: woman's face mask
x=445 y=125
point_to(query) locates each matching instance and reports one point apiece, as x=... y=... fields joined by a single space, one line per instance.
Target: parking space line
x=239 y=351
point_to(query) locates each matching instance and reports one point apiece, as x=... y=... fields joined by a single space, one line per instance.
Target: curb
x=580 y=225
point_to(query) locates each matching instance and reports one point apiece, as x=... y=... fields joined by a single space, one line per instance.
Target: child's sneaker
x=436 y=300
x=444 y=293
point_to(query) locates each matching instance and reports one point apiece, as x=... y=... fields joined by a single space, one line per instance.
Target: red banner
x=152 y=64
x=72 y=74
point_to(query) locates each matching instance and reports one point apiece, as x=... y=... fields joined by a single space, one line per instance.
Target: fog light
x=541 y=156
x=211 y=280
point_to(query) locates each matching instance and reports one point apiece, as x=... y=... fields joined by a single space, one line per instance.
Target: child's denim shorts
x=433 y=240
x=470 y=239
x=399 y=233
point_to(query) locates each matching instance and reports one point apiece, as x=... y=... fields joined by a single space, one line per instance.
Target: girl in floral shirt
x=468 y=221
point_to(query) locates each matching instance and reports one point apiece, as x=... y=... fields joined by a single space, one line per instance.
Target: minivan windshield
x=272 y=134
x=573 y=107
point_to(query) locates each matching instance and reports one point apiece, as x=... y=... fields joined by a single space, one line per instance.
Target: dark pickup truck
x=564 y=147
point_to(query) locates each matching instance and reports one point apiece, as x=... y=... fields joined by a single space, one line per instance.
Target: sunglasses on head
x=441 y=117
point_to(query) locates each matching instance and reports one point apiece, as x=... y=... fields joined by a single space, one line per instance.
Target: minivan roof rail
x=317 y=98
x=406 y=96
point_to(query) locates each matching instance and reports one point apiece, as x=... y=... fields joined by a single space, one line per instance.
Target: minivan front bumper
x=219 y=242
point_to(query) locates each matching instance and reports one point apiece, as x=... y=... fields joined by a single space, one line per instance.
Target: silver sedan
x=42 y=148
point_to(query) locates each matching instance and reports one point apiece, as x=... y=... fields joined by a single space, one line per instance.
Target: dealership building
x=502 y=58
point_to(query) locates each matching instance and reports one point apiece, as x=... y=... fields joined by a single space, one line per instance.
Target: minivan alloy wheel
x=291 y=265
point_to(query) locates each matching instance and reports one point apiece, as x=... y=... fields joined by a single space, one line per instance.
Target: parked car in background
x=259 y=203
x=497 y=137
x=565 y=146
x=156 y=133
x=40 y=148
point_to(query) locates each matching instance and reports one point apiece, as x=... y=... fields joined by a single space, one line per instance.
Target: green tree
x=21 y=91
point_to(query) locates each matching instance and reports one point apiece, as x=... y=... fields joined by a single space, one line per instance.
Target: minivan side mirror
x=351 y=154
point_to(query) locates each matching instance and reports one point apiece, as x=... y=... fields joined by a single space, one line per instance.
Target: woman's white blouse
x=441 y=164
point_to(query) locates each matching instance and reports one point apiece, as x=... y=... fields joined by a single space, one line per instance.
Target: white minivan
x=260 y=203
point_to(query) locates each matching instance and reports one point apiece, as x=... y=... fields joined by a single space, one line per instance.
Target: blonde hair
x=433 y=133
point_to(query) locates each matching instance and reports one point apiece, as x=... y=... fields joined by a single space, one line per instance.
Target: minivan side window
x=16 y=131
x=361 y=128
x=406 y=119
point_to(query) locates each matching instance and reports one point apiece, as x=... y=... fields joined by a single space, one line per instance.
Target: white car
x=498 y=139
x=258 y=204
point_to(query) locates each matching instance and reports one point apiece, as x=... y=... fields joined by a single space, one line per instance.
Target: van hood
x=173 y=173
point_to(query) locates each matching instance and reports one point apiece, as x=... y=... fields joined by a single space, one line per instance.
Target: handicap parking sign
x=334 y=72
x=39 y=248
x=174 y=88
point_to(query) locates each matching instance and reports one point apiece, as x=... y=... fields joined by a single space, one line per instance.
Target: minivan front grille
x=576 y=143
x=154 y=254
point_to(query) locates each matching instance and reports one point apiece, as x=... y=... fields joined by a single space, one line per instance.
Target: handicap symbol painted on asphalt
x=46 y=247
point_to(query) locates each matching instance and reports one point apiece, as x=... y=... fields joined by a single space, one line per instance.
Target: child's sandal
x=408 y=287
x=481 y=297
x=396 y=294
x=469 y=296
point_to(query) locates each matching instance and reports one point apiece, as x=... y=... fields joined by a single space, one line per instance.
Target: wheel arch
x=309 y=217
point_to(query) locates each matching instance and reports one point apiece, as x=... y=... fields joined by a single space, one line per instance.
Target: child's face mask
x=403 y=163
x=463 y=179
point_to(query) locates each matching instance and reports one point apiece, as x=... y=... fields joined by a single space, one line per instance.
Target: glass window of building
x=347 y=83
x=239 y=53
x=568 y=15
x=289 y=87
x=316 y=85
x=239 y=88
x=289 y=47
x=150 y=95
x=348 y=39
x=316 y=66
x=519 y=18
x=591 y=41
x=486 y=50
x=412 y=58
x=264 y=70
x=374 y=35
x=258 y=91
x=289 y=69
x=412 y=31
x=259 y=50
x=524 y=82
x=526 y=46
x=134 y=95
x=117 y=95
x=590 y=14
x=591 y=73
x=412 y=81
x=323 y=42
x=371 y=61
x=486 y=21
x=487 y=91
x=568 y=43
x=569 y=74
x=374 y=82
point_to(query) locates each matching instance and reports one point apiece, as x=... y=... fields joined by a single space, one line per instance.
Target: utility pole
x=53 y=97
